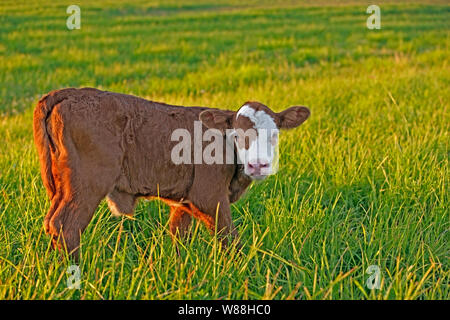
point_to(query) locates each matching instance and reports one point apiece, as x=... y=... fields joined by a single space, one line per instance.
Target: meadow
x=363 y=182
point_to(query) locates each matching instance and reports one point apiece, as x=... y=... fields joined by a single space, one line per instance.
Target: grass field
x=363 y=182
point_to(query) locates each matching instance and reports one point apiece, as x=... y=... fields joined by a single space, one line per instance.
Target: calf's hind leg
x=86 y=163
x=56 y=198
x=82 y=187
x=71 y=218
x=55 y=202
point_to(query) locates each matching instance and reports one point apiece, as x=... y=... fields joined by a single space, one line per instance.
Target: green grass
x=363 y=182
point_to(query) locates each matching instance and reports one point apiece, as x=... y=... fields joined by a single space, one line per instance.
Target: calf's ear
x=293 y=117
x=217 y=119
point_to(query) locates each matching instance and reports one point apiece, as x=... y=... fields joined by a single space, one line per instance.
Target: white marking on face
x=258 y=158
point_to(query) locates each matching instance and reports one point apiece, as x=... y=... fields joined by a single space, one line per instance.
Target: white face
x=257 y=146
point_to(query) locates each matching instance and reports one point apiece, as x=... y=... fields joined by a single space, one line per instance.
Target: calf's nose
x=256 y=166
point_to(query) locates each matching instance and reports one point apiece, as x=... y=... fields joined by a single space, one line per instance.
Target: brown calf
x=94 y=144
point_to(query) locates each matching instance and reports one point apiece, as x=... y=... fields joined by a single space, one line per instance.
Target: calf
x=94 y=144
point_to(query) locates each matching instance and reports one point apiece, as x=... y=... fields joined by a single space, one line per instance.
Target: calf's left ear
x=217 y=119
x=293 y=117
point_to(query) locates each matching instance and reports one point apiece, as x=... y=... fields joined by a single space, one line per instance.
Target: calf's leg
x=57 y=197
x=55 y=202
x=86 y=162
x=70 y=219
x=84 y=180
x=224 y=223
x=179 y=221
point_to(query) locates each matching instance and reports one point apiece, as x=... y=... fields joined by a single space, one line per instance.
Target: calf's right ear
x=293 y=117
x=217 y=119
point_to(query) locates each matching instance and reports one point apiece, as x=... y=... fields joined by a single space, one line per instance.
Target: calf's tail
x=42 y=140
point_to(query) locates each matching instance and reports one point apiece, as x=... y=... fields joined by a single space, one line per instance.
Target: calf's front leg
x=220 y=217
x=179 y=221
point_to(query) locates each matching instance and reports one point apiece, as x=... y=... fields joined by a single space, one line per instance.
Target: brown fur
x=94 y=144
